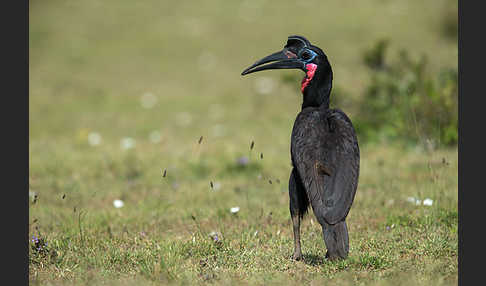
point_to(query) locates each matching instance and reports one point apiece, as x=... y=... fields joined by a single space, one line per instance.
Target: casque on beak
x=283 y=59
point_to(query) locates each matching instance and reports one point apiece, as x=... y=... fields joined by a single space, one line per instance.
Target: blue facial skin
x=311 y=52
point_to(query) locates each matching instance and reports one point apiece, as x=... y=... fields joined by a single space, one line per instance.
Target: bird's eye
x=306 y=55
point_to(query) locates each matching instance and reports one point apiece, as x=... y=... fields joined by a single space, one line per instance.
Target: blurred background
x=143 y=102
x=395 y=66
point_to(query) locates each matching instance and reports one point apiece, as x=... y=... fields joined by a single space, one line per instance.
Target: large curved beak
x=283 y=59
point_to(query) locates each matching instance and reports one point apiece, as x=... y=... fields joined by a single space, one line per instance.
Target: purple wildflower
x=242 y=161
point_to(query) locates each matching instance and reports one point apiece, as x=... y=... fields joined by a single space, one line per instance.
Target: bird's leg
x=298 y=207
x=296 y=225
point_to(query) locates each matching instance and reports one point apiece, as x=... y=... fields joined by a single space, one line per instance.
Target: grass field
x=122 y=91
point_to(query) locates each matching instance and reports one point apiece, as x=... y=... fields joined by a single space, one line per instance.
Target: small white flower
x=278 y=232
x=430 y=144
x=428 y=202
x=255 y=233
x=414 y=200
x=127 y=143
x=235 y=210
x=118 y=203
x=32 y=195
x=155 y=136
x=217 y=186
x=94 y=139
x=148 y=100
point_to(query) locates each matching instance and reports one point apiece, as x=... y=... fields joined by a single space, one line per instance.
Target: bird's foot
x=334 y=257
x=297 y=256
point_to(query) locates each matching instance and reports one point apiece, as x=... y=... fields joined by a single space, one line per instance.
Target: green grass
x=91 y=63
x=154 y=237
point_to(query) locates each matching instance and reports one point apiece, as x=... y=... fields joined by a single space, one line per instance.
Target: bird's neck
x=318 y=91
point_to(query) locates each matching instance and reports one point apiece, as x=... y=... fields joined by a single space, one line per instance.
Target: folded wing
x=326 y=154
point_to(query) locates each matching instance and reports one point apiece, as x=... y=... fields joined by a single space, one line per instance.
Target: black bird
x=324 y=148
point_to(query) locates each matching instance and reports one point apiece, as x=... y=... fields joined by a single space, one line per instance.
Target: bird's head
x=299 y=53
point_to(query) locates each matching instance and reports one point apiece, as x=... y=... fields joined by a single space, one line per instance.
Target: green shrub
x=403 y=101
x=375 y=57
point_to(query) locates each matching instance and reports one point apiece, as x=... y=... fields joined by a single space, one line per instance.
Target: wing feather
x=325 y=152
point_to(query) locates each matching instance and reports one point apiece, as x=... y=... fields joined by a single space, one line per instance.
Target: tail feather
x=336 y=239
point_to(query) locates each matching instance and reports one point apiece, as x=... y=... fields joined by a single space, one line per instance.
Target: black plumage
x=324 y=148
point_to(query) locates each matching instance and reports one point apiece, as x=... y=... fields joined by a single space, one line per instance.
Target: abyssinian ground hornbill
x=324 y=148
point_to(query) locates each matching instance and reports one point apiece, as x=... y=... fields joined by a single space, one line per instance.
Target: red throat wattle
x=311 y=69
